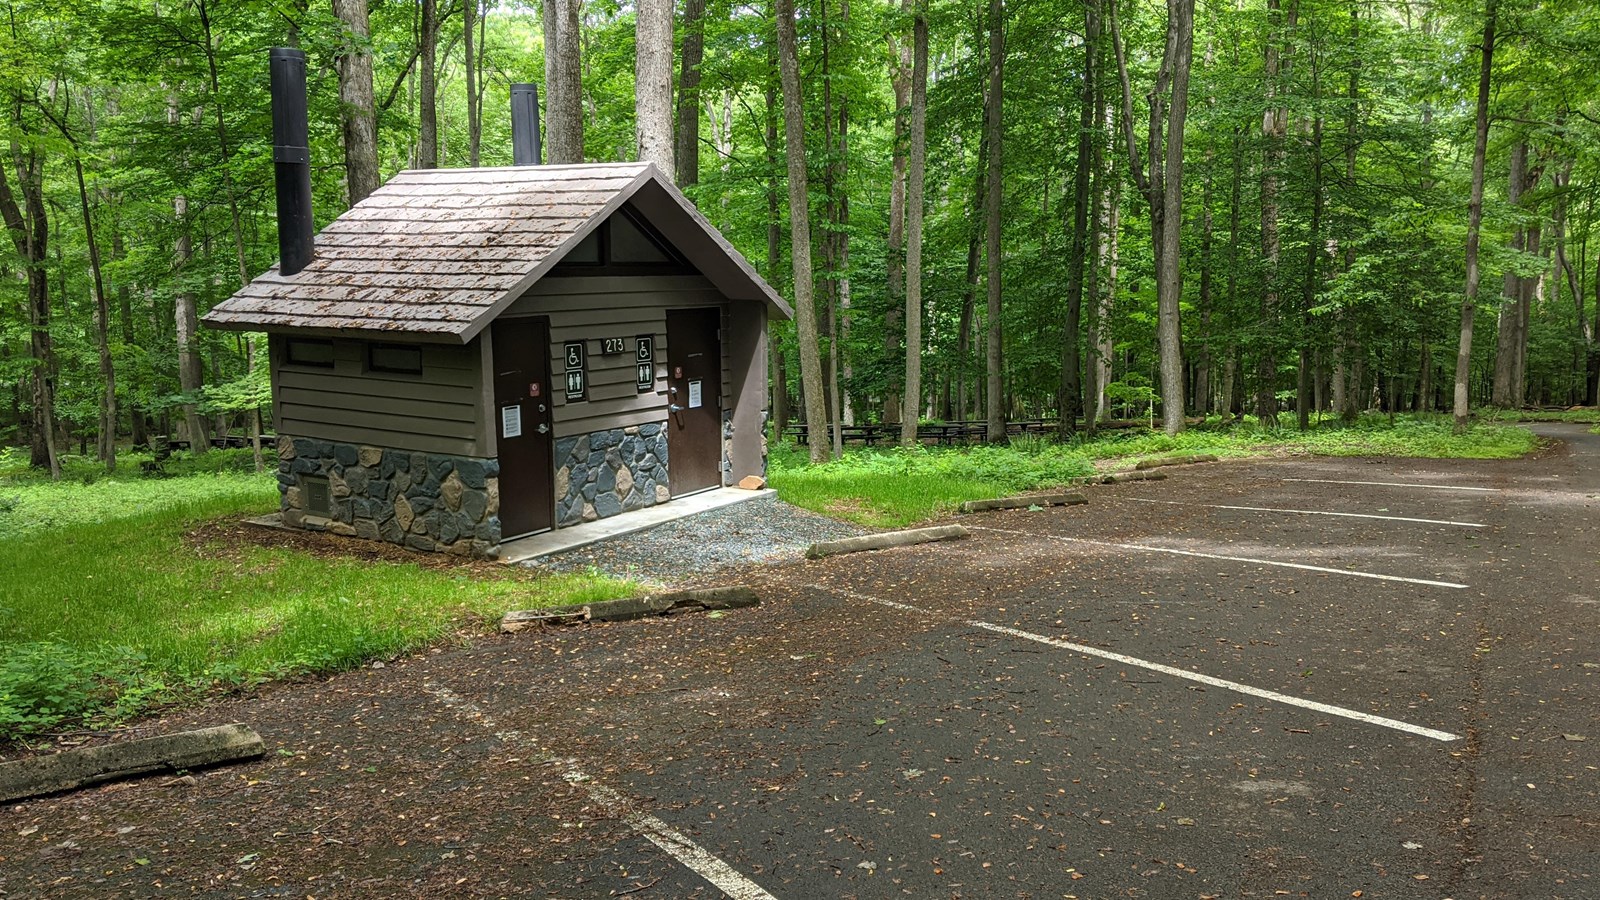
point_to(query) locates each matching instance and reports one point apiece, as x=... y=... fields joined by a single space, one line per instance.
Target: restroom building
x=473 y=355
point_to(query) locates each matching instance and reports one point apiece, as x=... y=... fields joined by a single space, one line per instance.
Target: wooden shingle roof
x=436 y=254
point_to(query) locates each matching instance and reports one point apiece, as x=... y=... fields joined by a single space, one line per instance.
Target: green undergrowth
x=1579 y=415
x=1430 y=436
x=140 y=598
x=86 y=493
x=893 y=487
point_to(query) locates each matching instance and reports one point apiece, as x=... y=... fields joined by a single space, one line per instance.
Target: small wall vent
x=318 y=500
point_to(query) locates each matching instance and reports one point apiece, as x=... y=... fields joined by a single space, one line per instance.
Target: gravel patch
x=757 y=531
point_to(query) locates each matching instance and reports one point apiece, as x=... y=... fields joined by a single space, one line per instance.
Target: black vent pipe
x=524 y=124
x=291 y=157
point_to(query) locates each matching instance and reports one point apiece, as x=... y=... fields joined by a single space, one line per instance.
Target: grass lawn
x=1582 y=415
x=892 y=487
x=124 y=602
x=1430 y=436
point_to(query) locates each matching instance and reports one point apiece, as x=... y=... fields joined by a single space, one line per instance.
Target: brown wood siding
x=595 y=307
x=727 y=362
x=439 y=411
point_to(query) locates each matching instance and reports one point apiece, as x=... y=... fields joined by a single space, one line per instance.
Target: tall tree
x=29 y=228
x=900 y=65
x=687 y=152
x=1070 y=396
x=774 y=229
x=1102 y=289
x=916 y=175
x=186 y=320
x=106 y=434
x=794 y=131
x=1511 y=338
x=1583 y=334
x=1480 y=147
x=469 y=14
x=428 y=86
x=652 y=84
x=992 y=109
x=1304 y=372
x=1162 y=187
x=360 y=119
x=1274 y=127
x=563 y=76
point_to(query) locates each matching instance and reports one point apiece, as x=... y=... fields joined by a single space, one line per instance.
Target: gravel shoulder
x=687 y=550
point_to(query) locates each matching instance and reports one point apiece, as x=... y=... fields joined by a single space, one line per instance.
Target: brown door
x=522 y=417
x=694 y=390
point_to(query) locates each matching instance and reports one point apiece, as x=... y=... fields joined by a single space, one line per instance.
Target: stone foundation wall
x=727 y=446
x=425 y=501
x=605 y=473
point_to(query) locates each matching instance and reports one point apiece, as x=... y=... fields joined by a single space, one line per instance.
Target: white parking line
x=1243 y=559
x=1317 y=512
x=1401 y=484
x=1329 y=709
x=691 y=855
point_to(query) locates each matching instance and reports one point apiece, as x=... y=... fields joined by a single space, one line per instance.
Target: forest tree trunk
x=894 y=315
x=563 y=74
x=1069 y=401
x=469 y=11
x=1274 y=125
x=190 y=371
x=653 y=85
x=428 y=88
x=687 y=151
x=1109 y=263
x=993 y=106
x=1469 y=300
x=915 y=178
x=1511 y=287
x=794 y=129
x=1201 y=402
x=30 y=234
x=780 y=376
x=1162 y=188
x=1306 y=373
x=106 y=442
x=356 y=101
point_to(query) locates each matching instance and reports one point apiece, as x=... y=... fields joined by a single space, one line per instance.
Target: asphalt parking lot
x=1324 y=678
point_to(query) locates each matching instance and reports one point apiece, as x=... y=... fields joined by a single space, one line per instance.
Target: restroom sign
x=645 y=356
x=577 y=378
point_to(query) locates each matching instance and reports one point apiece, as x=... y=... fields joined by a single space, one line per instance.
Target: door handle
x=543 y=428
x=674 y=408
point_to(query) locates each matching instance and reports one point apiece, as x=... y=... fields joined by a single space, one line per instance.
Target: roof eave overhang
x=653 y=194
x=369 y=334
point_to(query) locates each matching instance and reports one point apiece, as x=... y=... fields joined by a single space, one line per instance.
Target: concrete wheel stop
x=1181 y=459
x=71 y=769
x=665 y=603
x=1026 y=501
x=886 y=540
x=1120 y=477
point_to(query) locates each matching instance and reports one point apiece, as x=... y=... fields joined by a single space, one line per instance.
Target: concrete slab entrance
x=560 y=540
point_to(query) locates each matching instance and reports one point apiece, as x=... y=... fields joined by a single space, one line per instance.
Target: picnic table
x=221 y=442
